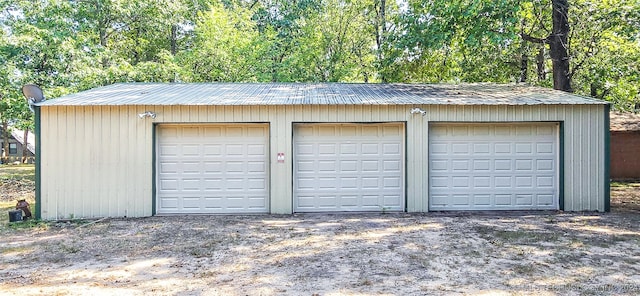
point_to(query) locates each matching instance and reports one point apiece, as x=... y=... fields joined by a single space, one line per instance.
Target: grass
x=18 y=172
x=6 y=206
x=10 y=175
x=520 y=236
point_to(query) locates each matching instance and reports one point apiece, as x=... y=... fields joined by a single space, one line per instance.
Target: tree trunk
x=25 y=150
x=381 y=32
x=174 y=34
x=103 y=24
x=524 y=66
x=5 y=141
x=559 y=47
x=541 y=69
x=524 y=58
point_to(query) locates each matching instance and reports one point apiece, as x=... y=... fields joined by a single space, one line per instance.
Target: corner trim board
x=561 y=167
x=153 y=169
x=607 y=159
x=38 y=126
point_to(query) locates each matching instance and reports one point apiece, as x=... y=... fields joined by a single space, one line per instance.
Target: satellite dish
x=33 y=93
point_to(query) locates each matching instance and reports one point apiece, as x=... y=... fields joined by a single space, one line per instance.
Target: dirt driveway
x=379 y=254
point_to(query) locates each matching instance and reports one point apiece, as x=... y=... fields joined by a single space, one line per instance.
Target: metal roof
x=193 y=94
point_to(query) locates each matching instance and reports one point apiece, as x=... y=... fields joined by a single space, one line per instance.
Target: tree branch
x=527 y=37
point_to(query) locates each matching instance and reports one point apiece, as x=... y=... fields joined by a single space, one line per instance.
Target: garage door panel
x=493 y=166
x=460 y=130
x=371 y=131
x=370 y=183
x=190 y=184
x=545 y=130
x=168 y=167
x=191 y=167
x=503 y=182
x=479 y=165
x=439 y=182
x=256 y=167
x=391 y=183
x=306 y=201
x=438 y=148
x=256 y=150
x=544 y=148
x=235 y=150
x=168 y=150
x=460 y=182
x=503 y=200
x=545 y=165
x=481 y=130
x=235 y=167
x=370 y=149
x=169 y=202
x=502 y=148
x=523 y=148
x=213 y=184
x=523 y=130
x=392 y=149
x=255 y=132
x=169 y=185
x=481 y=200
x=481 y=148
x=349 y=183
x=370 y=166
x=460 y=199
x=191 y=202
x=545 y=199
x=326 y=149
x=326 y=131
x=524 y=199
x=349 y=201
x=258 y=184
x=524 y=165
x=348 y=131
x=392 y=201
x=212 y=131
x=327 y=183
x=460 y=148
x=524 y=182
x=481 y=182
x=212 y=149
x=544 y=182
x=348 y=167
x=212 y=168
x=392 y=166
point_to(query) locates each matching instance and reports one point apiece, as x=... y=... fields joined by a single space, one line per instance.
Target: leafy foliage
x=72 y=45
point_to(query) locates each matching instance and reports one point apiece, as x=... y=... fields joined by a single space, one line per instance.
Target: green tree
x=227 y=46
x=336 y=44
x=459 y=40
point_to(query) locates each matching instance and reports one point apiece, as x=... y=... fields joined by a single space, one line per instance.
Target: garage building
x=141 y=149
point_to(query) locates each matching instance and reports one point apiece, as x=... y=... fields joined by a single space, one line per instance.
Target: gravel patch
x=522 y=253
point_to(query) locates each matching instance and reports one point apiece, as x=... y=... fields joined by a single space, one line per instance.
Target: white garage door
x=348 y=167
x=493 y=166
x=205 y=169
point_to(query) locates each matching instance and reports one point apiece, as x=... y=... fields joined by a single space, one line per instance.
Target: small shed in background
x=16 y=152
x=625 y=146
x=230 y=148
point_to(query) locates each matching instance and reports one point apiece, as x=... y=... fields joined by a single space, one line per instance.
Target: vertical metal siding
x=416 y=167
x=97 y=161
x=38 y=180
